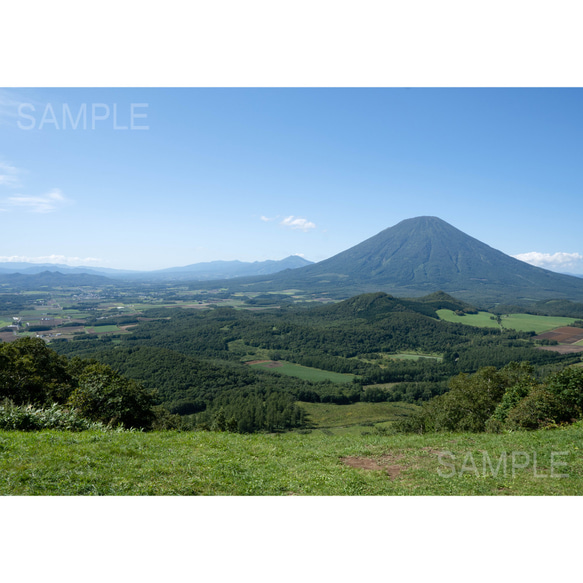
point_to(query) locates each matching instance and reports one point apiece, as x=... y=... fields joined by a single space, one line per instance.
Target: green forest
x=192 y=361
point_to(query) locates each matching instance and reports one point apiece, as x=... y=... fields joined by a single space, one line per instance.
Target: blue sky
x=255 y=174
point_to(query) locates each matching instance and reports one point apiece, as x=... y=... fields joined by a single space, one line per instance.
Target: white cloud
x=299 y=255
x=9 y=175
x=46 y=203
x=561 y=262
x=297 y=223
x=72 y=261
x=267 y=219
x=11 y=100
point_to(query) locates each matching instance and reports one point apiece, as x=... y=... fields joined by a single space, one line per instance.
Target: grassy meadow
x=208 y=463
x=306 y=373
x=521 y=322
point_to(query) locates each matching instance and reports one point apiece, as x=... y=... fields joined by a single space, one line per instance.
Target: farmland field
x=522 y=322
x=303 y=372
x=564 y=335
x=102 y=329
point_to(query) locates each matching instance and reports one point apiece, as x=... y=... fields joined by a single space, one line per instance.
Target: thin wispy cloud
x=561 y=262
x=46 y=203
x=9 y=175
x=10 y=101
x=267 y=219
x=298 y=223
x=72 y=261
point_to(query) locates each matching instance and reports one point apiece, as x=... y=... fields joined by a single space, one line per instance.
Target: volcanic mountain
x=425 y=254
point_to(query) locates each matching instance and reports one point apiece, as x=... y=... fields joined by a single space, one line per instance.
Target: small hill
x=379 y=304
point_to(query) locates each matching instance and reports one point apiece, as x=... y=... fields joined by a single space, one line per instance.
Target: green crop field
x=522 y=322
x=208 y=463
x=100 y=329
x=331 y=415
x=306 y=373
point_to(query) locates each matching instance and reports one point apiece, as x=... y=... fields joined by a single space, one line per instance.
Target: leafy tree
x=540 y=408
x=30 y=372
x=104 y=395
x=470 y=402
x=567 y=385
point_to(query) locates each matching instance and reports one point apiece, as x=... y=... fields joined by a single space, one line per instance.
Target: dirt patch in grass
x=266 y=363
x=382 y=464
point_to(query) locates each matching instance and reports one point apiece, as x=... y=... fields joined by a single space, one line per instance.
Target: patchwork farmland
x=570 y=339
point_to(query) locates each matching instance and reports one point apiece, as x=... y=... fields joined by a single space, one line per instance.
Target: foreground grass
x=205 y=463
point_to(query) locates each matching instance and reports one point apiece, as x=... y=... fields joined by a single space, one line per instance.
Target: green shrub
x=567 y=385
x=539 y=409
x=30 y=372
x=470 y=402
x=29 y=418
x=164 y=420
x=494 y=425
x=104 y=395
x=512 y=397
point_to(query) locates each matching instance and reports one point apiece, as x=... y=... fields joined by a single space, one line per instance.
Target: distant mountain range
x=35 y=268
x=52 y=279
x=416 y=257
x=213 y=270
x=196 y=271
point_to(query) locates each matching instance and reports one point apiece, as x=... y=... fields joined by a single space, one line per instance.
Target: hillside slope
x=423 y=255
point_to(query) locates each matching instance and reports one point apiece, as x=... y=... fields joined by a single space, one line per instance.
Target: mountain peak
x=425 y=254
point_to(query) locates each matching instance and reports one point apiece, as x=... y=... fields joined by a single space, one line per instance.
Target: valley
x=301 y=359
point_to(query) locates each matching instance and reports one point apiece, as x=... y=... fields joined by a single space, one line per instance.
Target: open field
x=563 y=348
x=207 y=463
x=564 y=335
x=522 y=322
x=411 y=356
x=102 y=329
x=326 y=415
x=303 y=372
